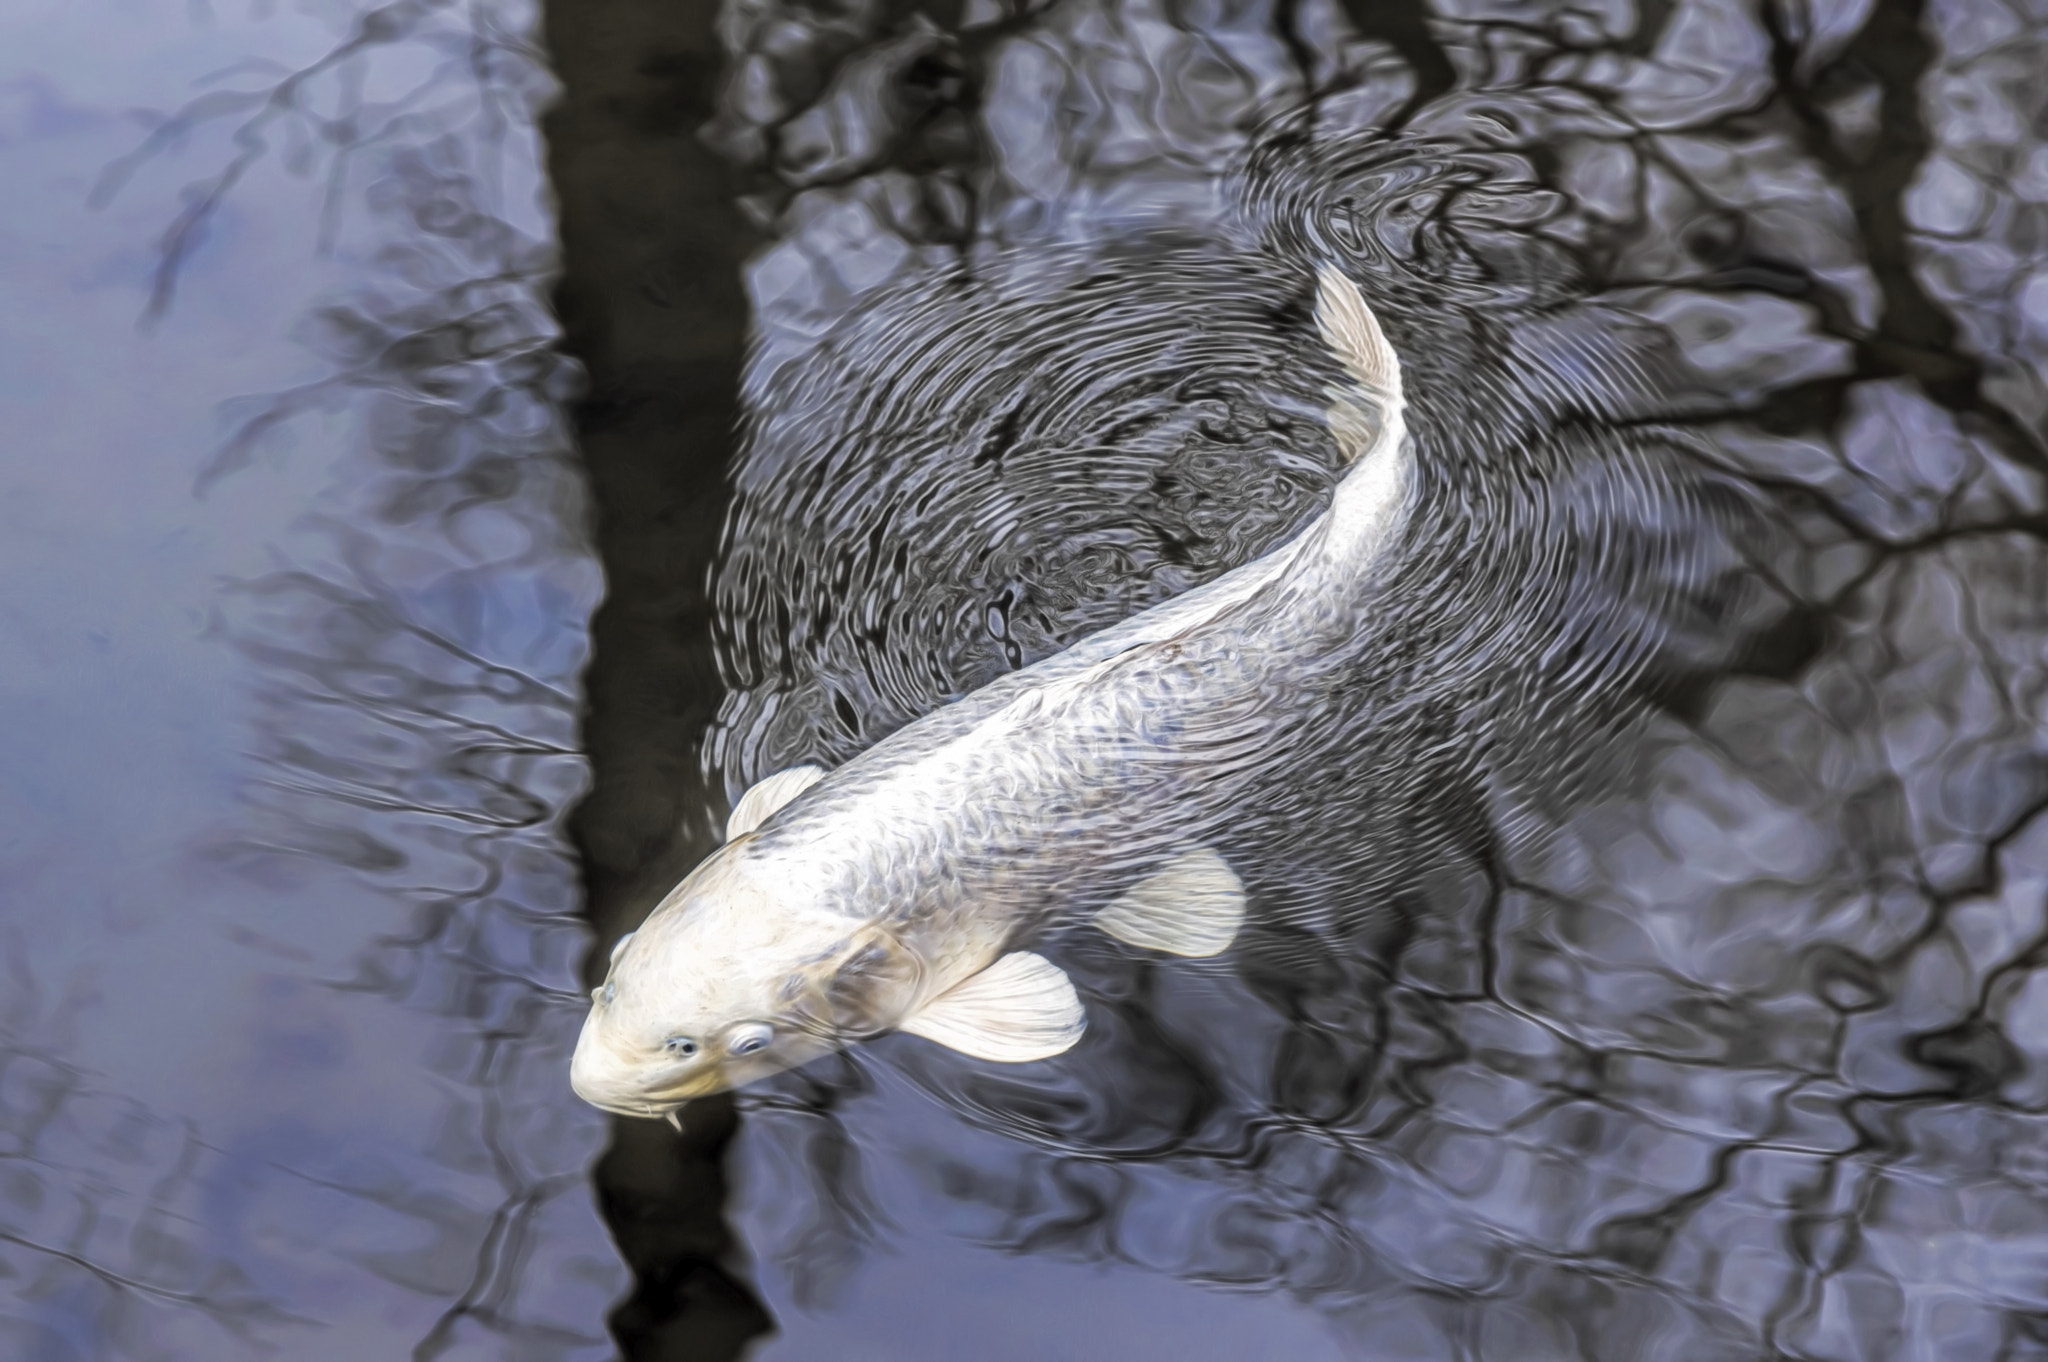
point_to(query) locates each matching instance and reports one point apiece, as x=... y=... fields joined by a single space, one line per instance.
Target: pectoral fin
x=1021 y=1007
x=760 y=803
x=1192 y=906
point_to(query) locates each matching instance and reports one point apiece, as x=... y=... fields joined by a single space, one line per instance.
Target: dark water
x=1658 y=977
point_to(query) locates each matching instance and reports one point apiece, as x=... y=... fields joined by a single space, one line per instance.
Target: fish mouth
x=655 y=1104
x=646 y=1110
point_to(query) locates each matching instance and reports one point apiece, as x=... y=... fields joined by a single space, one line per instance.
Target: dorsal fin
x=760 y=803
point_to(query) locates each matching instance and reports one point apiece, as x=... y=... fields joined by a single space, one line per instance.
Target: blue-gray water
x=1698 y=1007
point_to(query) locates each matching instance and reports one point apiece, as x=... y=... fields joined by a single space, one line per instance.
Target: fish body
x=893 y=893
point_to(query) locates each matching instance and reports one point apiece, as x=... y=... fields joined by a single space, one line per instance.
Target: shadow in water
x=651 y=306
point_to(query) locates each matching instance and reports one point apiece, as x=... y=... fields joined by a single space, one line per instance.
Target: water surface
x=1648 y=963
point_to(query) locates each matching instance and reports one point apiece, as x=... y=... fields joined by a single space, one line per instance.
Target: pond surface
x=453 y=450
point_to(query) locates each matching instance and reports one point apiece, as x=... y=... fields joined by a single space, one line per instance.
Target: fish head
x=738 y=974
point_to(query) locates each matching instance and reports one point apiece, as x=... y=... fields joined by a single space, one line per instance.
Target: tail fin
x=1349 y=328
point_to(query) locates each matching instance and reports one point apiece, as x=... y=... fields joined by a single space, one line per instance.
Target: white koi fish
x=895 y=893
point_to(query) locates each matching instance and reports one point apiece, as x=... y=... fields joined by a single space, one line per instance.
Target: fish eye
x=747 y=1039
x=606 y=993
x=683 y=1047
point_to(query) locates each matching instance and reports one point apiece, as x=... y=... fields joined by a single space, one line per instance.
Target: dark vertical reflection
x=651 y=304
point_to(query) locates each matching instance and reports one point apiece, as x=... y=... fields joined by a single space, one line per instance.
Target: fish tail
x=1349 y=328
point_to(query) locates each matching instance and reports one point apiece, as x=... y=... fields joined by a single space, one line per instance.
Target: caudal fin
x=1349 y=328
